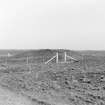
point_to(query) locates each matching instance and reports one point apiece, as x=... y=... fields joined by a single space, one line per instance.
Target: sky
x=53 y=24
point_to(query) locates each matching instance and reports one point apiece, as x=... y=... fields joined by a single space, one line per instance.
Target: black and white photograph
x=52 y=52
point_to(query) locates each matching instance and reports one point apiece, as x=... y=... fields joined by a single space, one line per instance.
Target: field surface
x=52 y=77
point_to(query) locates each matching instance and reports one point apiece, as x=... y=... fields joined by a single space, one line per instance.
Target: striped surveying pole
x=6 y=60
x=57 y=58
x=84 y=63
x=27 y=60
x=65 y=57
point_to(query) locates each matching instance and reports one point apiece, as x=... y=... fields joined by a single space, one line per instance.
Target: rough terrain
x=80 y=82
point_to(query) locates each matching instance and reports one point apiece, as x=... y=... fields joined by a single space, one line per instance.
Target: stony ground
x=9 y=98
x=77 y=83
x=49 y=86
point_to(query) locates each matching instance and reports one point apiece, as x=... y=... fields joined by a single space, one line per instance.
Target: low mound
x=35 y=53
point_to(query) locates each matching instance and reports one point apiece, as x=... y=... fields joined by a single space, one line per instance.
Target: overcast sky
x=36 y=24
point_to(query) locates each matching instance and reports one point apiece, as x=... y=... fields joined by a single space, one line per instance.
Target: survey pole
x=65 y=57
x=57 y=57
x=27 y=60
